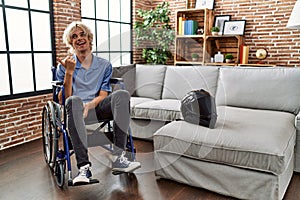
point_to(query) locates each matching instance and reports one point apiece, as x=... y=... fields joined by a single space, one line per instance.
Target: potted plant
x=195 y=57
x=229 y=58
x=215 y=30
x=154 y=34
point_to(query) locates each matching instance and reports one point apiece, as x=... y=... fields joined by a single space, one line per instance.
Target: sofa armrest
x=297 y=121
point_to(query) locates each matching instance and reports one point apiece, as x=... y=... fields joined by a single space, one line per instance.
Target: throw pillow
x=127 y=72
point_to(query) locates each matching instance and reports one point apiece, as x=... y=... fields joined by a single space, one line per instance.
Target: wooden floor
x=25 y=175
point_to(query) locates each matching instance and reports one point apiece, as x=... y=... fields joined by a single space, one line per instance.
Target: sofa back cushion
x=127 y=73
x=149 y=80
x=180 y=80
x=262 y=88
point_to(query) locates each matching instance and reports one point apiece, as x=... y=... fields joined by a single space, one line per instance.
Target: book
x=245 y=55
x=241 y=54
x=190 y=27
x=180 y=26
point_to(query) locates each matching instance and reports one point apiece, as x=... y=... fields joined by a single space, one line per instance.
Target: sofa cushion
x=127 y=72
x=247 y=138
x=164 y=110
x=149 y=80
x=179 y=80
x=135 y=101
x=262 y=88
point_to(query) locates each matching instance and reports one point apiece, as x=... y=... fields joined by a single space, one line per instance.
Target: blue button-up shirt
x=88 y=83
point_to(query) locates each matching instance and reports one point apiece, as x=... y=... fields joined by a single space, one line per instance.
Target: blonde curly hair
x=67 y=36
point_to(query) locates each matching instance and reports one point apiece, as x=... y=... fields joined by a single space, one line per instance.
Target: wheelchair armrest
x=116 y=80
x=57 y=83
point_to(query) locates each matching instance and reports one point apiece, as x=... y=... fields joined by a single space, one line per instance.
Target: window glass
x=126 y=58
x=4 y=76
x=39 y=4
x=41 y=31
x=17 y=3
x=2 y=36
x=87 y=8
x=113 y=28
x=125 y=11
x=43 y=62
x=103 y=55
x=114 y=10
x=102 y=9
x=126 y=37
x=18 y=30
x=22 y=76
x=115 y=59
x=102 y=36
x=115 y=38
x=91 y=25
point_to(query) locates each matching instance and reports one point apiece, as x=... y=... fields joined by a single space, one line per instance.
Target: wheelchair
x=57 y=147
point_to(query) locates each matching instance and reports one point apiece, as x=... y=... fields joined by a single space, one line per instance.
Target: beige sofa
x=250 y=154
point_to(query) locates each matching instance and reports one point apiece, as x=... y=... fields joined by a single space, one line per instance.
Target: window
x=26 y=47
x=111 y=24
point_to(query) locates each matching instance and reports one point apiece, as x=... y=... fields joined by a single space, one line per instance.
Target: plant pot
x=214 y=33
x=194 y=59
x=229 y=60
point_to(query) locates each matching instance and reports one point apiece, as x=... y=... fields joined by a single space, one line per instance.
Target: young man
x=88 y=96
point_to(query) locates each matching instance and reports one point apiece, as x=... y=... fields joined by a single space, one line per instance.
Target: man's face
x=80 y=40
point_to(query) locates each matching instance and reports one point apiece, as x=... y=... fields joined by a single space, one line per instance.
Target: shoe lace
x=123 y=159
x=83 y=171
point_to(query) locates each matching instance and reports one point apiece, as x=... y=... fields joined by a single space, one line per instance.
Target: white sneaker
x=121 y=164
x=84 y=176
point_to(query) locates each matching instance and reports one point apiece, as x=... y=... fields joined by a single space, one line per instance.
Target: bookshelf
x=204 y=44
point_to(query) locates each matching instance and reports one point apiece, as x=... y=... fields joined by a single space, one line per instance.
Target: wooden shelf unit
x=205 y=45
x=226 y=44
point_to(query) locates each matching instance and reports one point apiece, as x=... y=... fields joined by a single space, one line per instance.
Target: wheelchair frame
x=58 y=155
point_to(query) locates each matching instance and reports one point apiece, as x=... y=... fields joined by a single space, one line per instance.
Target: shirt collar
x=78 y=64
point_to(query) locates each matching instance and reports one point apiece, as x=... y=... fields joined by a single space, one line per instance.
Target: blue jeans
x=115 y=106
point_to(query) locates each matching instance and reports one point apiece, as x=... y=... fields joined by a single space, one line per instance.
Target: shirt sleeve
x=60 y=72
x=106 y=79
x=60 y=76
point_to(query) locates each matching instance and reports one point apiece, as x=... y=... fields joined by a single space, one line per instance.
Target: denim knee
x=121 y=95
x=74 y=102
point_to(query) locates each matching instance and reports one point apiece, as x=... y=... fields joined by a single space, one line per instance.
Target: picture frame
x=201 y=4
x=220 y=20
x=236 y=27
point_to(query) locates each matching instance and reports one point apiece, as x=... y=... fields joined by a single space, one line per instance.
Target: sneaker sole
x=129 y=169
x=92 y=181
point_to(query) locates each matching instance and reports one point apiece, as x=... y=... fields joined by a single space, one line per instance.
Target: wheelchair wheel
x=49 y=132
x=60 y=173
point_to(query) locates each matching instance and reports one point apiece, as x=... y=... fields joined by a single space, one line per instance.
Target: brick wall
x=20 y=119
x=265 y=28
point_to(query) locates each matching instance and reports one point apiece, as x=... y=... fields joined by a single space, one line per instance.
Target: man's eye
x=74 y=36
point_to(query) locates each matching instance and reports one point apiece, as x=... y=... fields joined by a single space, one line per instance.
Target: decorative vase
x=219 y=57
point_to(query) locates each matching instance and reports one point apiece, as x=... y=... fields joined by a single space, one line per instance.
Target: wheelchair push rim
x=49 y=135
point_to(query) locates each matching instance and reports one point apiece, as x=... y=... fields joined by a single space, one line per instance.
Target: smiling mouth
x=81 y=43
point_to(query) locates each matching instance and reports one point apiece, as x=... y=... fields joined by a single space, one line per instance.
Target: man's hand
x=85 y=110
x=69 y=63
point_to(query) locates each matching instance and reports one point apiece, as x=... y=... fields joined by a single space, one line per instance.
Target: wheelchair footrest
x=92 y=181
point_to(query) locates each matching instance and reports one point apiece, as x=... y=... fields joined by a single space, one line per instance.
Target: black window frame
x=8 y=52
